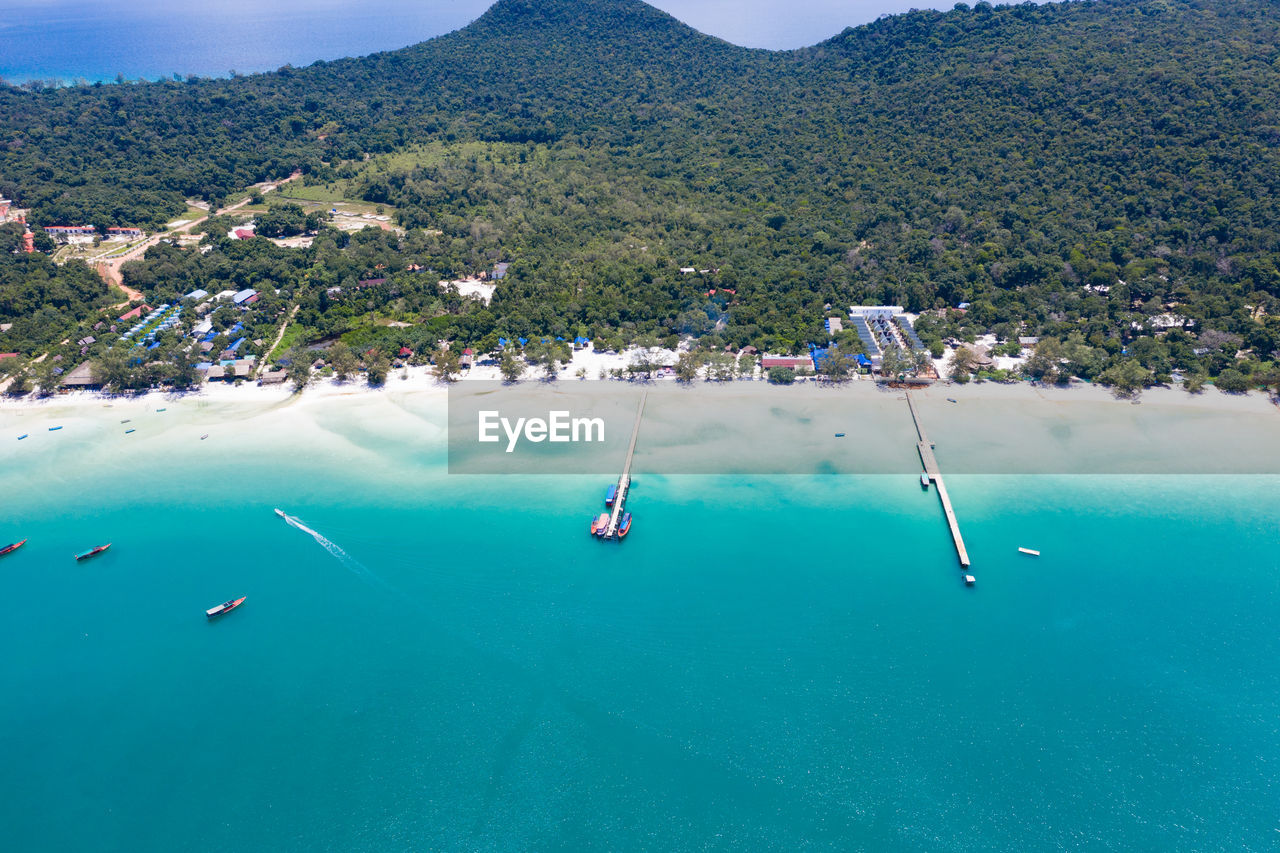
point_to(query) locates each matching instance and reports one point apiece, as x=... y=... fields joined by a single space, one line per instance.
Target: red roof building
x=405 y=352
x=798 y=362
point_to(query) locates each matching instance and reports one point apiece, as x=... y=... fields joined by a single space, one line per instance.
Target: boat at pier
x=611 y=494
x=600 y=524
x=225 y=607
x=924 y=481
x=93 y=552
x=9 y=549
x=624 y=525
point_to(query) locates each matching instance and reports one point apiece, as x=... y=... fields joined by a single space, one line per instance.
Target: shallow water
x=766 y=662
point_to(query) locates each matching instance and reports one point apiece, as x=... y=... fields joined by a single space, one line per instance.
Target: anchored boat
x=600 y=524
x=1029 y=551
x=624 y=525
x=93 y=552
x=224 y=607
x=9 y=549
x=611 y=494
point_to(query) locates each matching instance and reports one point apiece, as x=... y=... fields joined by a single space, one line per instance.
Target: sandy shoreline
x=733 y=428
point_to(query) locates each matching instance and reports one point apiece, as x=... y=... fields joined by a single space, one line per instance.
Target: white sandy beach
x=739 y=427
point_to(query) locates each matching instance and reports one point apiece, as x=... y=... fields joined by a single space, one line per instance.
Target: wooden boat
x=24 y=435
x=9 y=549
x=54 y=429
x=610 y=494
x=600 y=524
x=161 y=410
x=924 y=481
x=224 y=607
x=1029 y=551
x=839 y=435
x=624 y=525
x=126 y=432
x=203 y=437
x=93 y=552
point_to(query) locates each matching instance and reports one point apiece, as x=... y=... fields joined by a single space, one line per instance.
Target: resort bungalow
x=81 y=379
x=274 y=377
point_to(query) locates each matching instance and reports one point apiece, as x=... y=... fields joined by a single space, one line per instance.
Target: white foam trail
x=356 y=567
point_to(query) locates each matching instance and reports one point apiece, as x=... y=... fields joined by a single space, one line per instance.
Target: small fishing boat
x=970 y=580
x=1030 y=551
x=93 y=552
x=280 y=512
x=601 y=524
x=224 y=607
x=924 y=481
x=126 y=420
x=203 y=437
x=126 y=432
x=161 y=410
x=951 y=399
x=54 y=429
x=24 y=435
x=839 y=435
x=9 y=549
x=610 y=494
x=624 y=525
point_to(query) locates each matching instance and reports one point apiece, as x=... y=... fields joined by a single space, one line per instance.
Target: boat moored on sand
x=224 y=607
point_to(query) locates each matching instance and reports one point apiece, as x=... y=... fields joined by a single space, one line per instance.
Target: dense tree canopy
x=1064 y=168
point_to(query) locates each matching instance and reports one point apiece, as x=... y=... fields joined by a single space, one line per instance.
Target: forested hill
x=1023 y=159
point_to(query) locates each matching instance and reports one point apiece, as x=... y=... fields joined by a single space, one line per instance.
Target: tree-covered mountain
x=1069 y=167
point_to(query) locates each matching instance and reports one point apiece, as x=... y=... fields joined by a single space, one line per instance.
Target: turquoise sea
x=775 y=663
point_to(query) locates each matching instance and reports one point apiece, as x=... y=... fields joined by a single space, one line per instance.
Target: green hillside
x=1064 y=168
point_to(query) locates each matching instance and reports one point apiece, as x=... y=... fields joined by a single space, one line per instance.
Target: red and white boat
x=225 y=607
x=8 y=549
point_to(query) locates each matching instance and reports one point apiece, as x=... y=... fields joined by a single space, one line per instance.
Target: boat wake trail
x=355 y=566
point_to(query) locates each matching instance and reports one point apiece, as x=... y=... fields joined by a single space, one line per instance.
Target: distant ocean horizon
x=95 y=43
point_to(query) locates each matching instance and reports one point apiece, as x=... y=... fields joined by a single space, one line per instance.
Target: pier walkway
x=624 y=482
x=931 y=470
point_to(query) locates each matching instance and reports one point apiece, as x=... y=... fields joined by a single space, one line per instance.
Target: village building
x=71 y=233
x=115 y=233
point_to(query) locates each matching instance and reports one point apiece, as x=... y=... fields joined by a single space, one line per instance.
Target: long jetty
x=934 y=474
x=624 y=482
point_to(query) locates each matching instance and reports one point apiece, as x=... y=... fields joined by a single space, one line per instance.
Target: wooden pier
x=931 y=471
x=624 y=482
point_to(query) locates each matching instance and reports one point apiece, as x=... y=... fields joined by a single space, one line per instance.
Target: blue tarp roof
x=153 y=345
x=522 y=341
x=236 y=345
x=580 y=340
x=862 y=360
x=502 y=342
